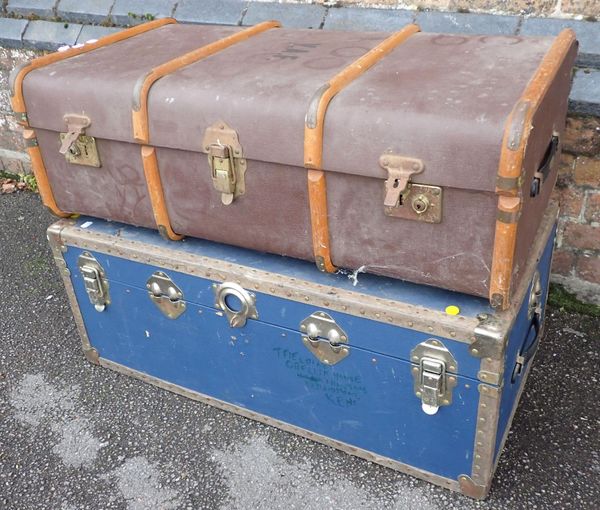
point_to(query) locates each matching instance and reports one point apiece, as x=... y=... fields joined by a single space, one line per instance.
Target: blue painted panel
x=373 y=335
x=384 y=288
x=521 y=335
x=366 y=400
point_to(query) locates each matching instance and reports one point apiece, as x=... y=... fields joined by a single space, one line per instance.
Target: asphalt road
x=75 y=436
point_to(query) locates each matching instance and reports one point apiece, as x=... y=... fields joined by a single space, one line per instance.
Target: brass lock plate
x=83 y=151
x=420 y=202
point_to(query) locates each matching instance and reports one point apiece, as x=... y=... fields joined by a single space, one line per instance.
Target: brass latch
x=75 y=145
x=400 y=169
x=434 y=376
x=225 y=158
x=404 y=199
x=94 y=280
x=223 y=171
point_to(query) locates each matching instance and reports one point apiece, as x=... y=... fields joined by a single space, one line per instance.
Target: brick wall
x=12 y=150
x=577 y=257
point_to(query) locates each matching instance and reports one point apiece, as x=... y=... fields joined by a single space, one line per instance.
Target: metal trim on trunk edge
x=485 y=437
x=53 y=234
x=381 y=310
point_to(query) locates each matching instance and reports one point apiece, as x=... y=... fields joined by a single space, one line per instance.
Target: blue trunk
x=366 y=401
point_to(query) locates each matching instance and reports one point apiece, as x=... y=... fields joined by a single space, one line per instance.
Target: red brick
x=584 y=237
x=570 y=200
x=587 y=171
x=567 y=163
x=592 y=207
x=588 y=268
x=563 y=262
x=582 y=136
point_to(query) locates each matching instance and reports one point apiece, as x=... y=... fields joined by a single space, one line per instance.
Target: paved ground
x=76 y=436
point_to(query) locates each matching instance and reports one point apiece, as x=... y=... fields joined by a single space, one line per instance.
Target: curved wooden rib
x=20 y=109
x=313 y=141
x=141 y=131
x=17 y=100
x=155 y=191
x=140 y=98
x=41 y=176
x=516 y=134
x=317 y=192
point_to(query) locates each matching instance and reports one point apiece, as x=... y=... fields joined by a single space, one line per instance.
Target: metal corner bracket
x=469 y=488
x=490 y=338
x=92 y=355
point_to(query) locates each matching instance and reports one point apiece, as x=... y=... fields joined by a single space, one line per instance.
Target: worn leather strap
x=516 y=134
x=141 y=131
x=18 y=101
x=313 y=141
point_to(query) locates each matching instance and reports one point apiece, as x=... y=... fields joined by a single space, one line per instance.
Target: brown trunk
x=441 y=99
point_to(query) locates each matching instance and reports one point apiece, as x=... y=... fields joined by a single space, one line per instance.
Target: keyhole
x=420 y=204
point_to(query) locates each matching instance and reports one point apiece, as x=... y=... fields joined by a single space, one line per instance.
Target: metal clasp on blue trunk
x=324 y=338
x=237 y=315
x=94 y=280
x=167 y=296
x=434 y=377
